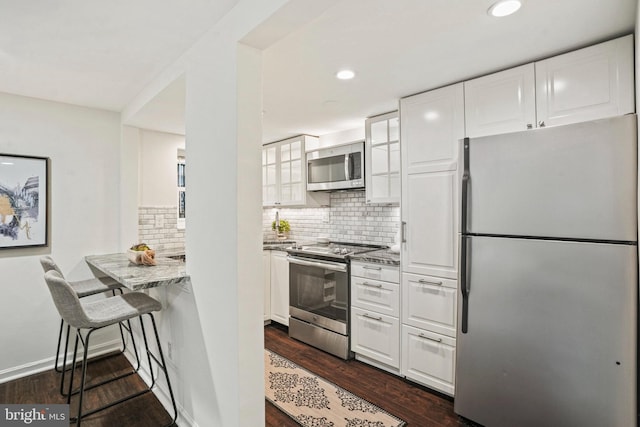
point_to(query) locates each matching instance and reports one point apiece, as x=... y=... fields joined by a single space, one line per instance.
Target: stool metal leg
x=58 y=347
x=83 y=387
x=64 y=360
x=98 y=384
x=161 y=364
x=73 y=365
x=85 y=342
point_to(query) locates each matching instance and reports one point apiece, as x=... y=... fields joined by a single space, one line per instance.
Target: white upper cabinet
x=284 y=177
x=501 y=102
x=382 y=157
x=270 y=189
x=586 y=84
x=432 y=123
x=291 y=171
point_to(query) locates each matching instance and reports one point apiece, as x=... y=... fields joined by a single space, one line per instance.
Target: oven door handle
x=327 y=265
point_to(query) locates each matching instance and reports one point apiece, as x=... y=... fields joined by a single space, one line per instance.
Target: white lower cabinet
x=429 y=318
x=375 y=314
x=266 y=268
x=430 y=303
x=429 y=358
x=280 y=287
x=376 y=336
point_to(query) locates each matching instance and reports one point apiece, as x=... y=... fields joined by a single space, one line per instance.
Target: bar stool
x=82 y=288
x=90 y=316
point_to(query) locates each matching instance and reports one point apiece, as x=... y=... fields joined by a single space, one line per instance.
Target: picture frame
x=24 y=200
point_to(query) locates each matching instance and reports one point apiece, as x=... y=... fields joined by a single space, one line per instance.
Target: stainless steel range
x=319 y=277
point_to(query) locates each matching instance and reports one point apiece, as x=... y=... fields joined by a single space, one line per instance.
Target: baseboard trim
x=38 y=366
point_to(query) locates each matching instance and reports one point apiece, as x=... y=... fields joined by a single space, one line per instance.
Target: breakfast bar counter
x=167 y=271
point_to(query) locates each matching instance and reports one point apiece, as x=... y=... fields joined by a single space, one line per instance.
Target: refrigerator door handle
x=466 y=178
x=464 y=284
x=464 y=208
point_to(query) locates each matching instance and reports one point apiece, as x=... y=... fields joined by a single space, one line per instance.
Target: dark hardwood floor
x=414 y=404
x=43 y=388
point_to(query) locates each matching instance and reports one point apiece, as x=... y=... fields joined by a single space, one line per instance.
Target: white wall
x=338 y=138
x=223 y=223
x=83 y=145
x=158 y=158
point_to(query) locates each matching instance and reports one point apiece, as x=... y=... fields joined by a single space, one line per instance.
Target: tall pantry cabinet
x=432 y=125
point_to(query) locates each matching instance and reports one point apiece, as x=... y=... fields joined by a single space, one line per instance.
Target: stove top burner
x=333 y=249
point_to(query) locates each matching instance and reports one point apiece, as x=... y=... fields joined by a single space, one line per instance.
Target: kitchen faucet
x=277 y=222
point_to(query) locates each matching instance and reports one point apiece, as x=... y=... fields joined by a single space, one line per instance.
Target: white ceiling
x=103 y=54
x=398 y=48
x=96 y=54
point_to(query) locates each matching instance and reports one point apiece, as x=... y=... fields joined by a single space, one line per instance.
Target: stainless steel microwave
x=336 y=168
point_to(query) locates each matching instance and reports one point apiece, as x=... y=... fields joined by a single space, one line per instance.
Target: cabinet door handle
x=368 y=267
x=372 y=285
x=541 y=124
x=428 y=282
x=529 y=126
x=403 y=232
x=429 y=338
x=368 y=316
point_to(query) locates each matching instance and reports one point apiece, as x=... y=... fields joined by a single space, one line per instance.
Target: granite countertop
x=136 y=277
x=277 y=245
x=382 y=256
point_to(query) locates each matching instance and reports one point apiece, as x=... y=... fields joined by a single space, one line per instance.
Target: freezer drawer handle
x=428 y=282
x=372 y=285
x=379 y=319
x=429 y=338
x=368 y=267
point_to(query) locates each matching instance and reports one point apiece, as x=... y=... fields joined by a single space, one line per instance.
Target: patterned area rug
x=315 y=402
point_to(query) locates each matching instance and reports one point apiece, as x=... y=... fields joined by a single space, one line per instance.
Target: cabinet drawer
x=430 y=303
x=376 y=336
x=388 y=273
x=429 y=358
x=375 y=295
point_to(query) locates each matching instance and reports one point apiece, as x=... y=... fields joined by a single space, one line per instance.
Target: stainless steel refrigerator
x=549 y=277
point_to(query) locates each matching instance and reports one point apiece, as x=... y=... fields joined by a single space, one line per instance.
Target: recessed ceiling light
x=345 y=74
x=504 y=8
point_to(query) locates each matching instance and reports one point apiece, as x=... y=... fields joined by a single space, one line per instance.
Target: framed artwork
x=23 y=201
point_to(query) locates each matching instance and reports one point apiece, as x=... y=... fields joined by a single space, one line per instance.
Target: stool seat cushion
x=115 y=309
x=94 y=286
x=82 y=288
x=96 y=314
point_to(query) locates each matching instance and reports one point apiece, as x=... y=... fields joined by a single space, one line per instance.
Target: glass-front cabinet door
x=284 y=178
x=382 y=172
x=291 y=185
x=269 y=174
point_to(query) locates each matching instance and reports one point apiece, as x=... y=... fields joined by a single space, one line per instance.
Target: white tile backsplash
x=348 y=219
x=157 y=227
